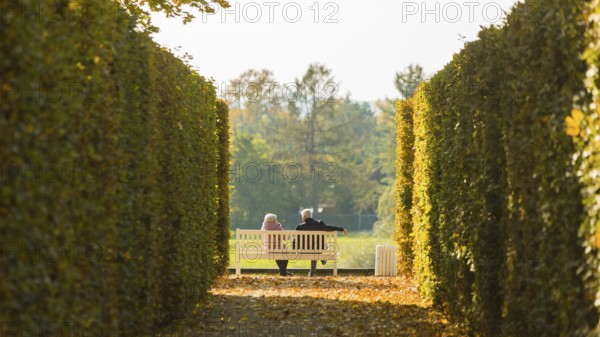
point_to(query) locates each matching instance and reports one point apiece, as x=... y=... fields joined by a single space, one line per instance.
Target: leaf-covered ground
x=260 y=305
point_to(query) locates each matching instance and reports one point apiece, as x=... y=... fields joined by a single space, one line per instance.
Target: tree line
x=304 y=144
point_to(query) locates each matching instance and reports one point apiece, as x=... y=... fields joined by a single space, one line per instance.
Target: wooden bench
x=254 y=245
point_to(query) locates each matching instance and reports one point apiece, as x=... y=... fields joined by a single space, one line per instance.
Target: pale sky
x=363 y=42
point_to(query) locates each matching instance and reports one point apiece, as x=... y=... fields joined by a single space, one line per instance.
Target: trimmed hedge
x=504 y=200
x=108 y=201
x=223 y=220
x=584 y=125
x=404 y=178
x=421 y=203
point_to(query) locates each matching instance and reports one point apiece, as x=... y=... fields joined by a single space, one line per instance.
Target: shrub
x=404 y=178
x=498 y=210
x=109 y=186
x=223 y=221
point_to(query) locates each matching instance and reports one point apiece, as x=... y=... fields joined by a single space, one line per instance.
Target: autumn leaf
x=339 y=306
x=573 y=122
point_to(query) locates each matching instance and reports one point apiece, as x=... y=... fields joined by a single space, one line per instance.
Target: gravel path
x=273 y=306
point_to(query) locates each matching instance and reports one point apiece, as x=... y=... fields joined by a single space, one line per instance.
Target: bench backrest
x=294 y=241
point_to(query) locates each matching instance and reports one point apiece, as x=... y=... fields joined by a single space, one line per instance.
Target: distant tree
x=249 y=95
x=383 y=153
x=329 y=130
x=386 y=213
x=384 y=139
x=258 y=106
x=258 y=185
x=313 y=103
x=255 y=89
x=171 y=8
x=408 y=80
x=341 y=144
x=360 y=173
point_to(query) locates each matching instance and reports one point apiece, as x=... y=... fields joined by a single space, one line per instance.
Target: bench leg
x=335 y=266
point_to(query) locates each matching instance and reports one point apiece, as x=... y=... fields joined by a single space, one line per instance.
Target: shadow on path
x=320 y=307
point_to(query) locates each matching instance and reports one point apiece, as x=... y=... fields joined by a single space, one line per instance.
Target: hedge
x=587 y=137
x=223 y=220
x=403 y=195
x=505 y=208
x=109 y=194
x=421 y=203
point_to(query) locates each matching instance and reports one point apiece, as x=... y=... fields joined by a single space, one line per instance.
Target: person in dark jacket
x=310 y=224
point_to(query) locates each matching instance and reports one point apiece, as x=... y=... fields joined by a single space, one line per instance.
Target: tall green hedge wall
x=109 y=190
x=404 y=179
x=223 y=221
x=505 y=189
x=585 y=128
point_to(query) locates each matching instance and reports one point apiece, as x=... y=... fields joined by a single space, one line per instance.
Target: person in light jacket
x=310 y=224
x=272 y=241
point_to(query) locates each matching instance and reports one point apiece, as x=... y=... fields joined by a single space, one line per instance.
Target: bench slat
x=285 y=245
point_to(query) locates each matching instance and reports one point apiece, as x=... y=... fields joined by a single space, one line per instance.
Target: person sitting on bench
x=310 y=224
x=272 y=241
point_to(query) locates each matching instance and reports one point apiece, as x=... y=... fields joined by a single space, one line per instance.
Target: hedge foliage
x=404 y=179
x=109 y=194
x=505 y=193
x=223 y=220
x=584 y=125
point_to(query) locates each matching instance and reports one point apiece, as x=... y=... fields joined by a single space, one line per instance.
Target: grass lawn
x=357 y=250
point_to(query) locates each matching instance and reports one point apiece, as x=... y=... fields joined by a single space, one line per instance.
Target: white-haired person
x=310 y=224
x=272 y=241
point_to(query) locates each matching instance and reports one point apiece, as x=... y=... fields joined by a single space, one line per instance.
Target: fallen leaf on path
x=336 y=306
